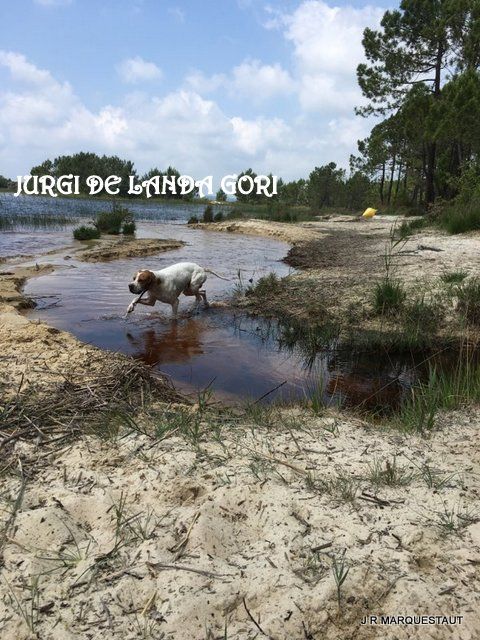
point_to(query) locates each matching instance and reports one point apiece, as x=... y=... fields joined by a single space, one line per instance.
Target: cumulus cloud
x=134 y=70
x=261 y=134
x=41 y=116
x=250 y=79
x=327 y=47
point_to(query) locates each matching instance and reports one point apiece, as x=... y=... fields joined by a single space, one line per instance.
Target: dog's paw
x=131 y=307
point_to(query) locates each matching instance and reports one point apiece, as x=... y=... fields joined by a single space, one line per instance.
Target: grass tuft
x=407 y=229
x=388 y=296
x=442 y=391
x=469 y=301
x=453 y=277
x=389 y=473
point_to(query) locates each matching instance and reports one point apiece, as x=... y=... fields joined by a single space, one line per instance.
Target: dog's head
x=142 y=281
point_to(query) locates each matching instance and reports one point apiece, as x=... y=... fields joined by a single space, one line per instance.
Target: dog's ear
x=157 y=279
x=146 y=278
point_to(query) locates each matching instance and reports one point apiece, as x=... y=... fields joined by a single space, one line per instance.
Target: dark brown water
x=238 y=356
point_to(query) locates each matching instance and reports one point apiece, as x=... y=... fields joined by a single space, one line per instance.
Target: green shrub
x=234 y=214
x=463 y=214
x=218 y=217
x=129 y=228
x=192 y=220
x=112 y=221
x=86 y=233
x=208 y=214
x=456 y=220
x=469 y=301
x=266 y=286
x=407 y=229
x=388 y=296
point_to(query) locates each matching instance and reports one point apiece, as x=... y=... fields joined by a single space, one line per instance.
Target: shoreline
x=121 y=490
x=20 y=336
x=340 y=261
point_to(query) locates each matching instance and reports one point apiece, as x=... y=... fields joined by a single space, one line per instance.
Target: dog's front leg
x=132 y=305
x=149 y=302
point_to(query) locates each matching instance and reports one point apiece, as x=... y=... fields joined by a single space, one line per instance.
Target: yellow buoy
x=369 y=213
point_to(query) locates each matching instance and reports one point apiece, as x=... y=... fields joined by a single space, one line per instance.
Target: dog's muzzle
x=135 y=288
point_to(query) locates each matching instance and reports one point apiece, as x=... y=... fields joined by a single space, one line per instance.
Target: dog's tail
x=216 y=274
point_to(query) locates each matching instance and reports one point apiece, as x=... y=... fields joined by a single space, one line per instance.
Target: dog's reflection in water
x=176 y=342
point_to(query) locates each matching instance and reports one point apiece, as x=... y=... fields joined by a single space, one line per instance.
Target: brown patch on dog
x=145 y=278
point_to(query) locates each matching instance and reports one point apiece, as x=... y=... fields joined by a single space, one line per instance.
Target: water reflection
x=178 y=343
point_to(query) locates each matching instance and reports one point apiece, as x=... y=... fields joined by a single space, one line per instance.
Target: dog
x=167 y=284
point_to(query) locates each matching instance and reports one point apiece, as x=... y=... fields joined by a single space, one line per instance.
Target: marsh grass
x=468 y=295
x=421 y=320
x=132 y=527
x=114 y=221
x=442 y=390
x=275 y=211
x=388 y=296
x=342 y=488
x=267 y=285
x=313 y=568
x=28 y=610
x=14 y=221
x=67 y=557
x=457 y=220
x=434 y=478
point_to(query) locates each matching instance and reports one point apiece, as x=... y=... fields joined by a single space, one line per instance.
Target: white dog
x=167 y=284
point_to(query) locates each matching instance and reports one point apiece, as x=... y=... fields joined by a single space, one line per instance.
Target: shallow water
x=237 y=356
x=39 y=239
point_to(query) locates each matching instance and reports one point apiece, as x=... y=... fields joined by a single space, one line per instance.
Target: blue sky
x=212 y=87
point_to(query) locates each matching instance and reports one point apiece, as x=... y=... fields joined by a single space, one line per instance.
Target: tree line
x=422 y=78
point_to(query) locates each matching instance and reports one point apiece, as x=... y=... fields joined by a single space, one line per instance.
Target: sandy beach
x=178 y=520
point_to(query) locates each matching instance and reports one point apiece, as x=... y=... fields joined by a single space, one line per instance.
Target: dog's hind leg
x=203 y=294
x=174 y=309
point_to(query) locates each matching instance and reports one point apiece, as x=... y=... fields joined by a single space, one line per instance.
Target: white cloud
x=22 y=70
x=327 y=43
x=133 y=70
x=258 y=81
x=261 y=134
x=42 y=117
x=251 y=79
x=198 y=81
x=326 y=49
